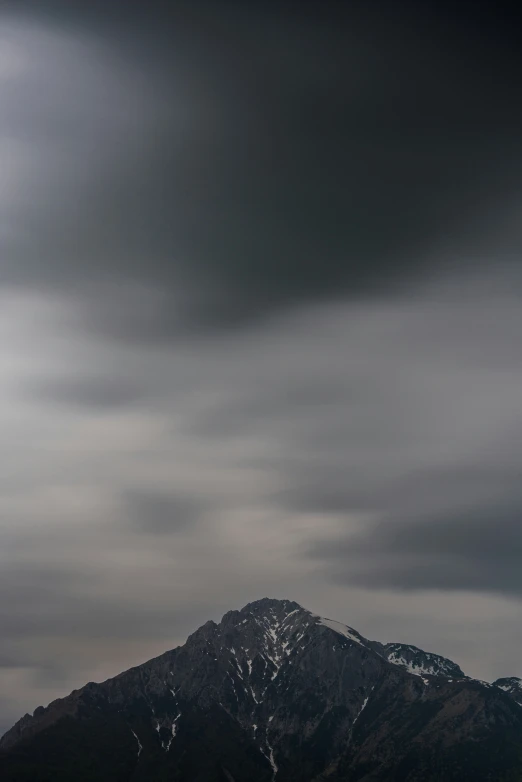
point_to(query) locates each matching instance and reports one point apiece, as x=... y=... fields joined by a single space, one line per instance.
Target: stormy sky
x=260 y=327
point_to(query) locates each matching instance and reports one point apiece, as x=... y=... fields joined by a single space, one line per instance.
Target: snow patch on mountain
x=139 y=742
x=338 y=627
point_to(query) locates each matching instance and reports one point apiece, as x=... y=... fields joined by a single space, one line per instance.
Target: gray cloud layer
x=255 y=161
x=260 y=332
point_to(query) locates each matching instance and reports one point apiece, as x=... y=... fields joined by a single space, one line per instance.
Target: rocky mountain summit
x=274 y=693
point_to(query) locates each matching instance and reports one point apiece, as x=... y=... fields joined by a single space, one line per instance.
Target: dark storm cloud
x=452 y=529
x=474 y=549
x=252 y=159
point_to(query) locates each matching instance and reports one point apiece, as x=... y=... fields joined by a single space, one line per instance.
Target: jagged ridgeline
x=276 y=693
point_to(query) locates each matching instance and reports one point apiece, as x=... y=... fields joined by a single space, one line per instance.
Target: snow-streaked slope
x=418 y=662
x=344 y=630
x=512 y=685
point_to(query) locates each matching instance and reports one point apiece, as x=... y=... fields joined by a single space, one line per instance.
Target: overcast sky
x=260 y=328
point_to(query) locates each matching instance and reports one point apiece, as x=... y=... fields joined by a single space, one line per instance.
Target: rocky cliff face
x=274 y=692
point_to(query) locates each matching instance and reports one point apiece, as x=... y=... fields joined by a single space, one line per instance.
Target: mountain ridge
x=275 y=692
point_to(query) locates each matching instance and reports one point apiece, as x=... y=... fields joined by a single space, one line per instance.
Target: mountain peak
x=419 y=662
x=272 y=603
x=270 y=692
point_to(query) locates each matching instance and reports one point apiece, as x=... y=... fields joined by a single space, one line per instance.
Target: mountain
x=419 y=662
x=274 y=693
x=512 y=685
